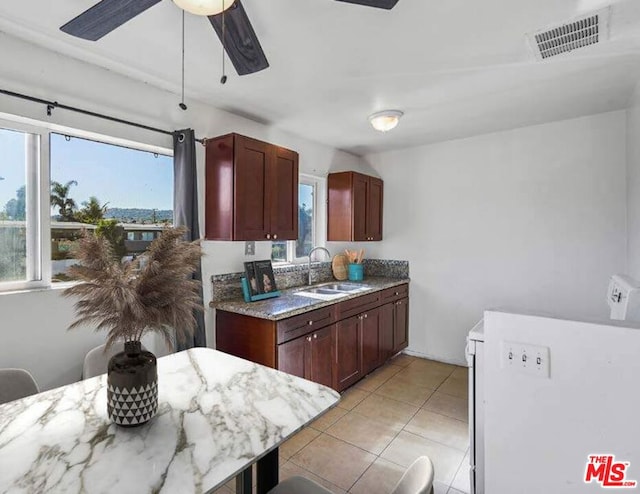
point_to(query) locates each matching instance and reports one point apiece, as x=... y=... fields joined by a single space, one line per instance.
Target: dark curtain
x=185 y=210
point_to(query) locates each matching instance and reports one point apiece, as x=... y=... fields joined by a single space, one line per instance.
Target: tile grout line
x=403 y=427
x=379 y=456
x=438 y=442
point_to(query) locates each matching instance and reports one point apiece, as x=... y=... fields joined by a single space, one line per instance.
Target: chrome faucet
x=311 y=253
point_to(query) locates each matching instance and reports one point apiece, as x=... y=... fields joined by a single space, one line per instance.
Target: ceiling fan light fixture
x=386 y=120
x=204 y=7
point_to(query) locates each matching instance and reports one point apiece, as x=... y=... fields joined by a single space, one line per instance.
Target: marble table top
x=217 y=414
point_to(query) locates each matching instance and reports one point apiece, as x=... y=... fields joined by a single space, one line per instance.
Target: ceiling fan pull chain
x=223 y=79
x=182 y=105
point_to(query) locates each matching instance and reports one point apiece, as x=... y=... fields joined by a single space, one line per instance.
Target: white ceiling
x=455 y=67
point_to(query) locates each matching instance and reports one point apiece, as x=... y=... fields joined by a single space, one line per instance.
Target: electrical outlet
x=525 y=358
x=250 y=248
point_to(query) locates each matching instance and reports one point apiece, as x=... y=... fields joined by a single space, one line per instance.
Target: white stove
x=475 y=360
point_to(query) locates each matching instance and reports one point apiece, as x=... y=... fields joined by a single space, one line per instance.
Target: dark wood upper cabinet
x=354 y=207
x=251 y=190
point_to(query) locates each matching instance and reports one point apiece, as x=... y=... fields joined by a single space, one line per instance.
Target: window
x=126 y=194
x=52 y=186
x=292 y=250
x=20 y=260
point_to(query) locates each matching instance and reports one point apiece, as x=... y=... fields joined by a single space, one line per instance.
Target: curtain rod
x=51 y=105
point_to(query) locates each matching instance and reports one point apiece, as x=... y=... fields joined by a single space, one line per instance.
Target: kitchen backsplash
x=386 y=268
x=227 y=286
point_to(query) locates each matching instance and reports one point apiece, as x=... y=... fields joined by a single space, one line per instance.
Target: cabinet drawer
x=296 y=326
x=359 y=304
x=393 y=294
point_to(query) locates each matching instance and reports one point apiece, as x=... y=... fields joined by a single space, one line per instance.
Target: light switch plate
x=525 y=358
x=250 y=248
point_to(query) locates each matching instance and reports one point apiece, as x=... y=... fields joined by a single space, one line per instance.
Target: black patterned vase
x=132 y=386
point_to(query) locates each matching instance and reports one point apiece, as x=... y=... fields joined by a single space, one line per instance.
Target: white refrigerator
x=560 y=405
x=475 y=362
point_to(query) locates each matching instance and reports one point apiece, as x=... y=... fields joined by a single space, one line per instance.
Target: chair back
x=418 y=479
x=16 y=384
x=97 y=360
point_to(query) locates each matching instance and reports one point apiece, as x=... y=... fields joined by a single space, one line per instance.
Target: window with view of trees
x=288 y=251
x=122 y=193
x=18 y=217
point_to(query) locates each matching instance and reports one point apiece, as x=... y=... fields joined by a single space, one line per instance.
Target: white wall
x=533 y=217
x=539 y=432
x=633 y=184
x=34 y=323
x=504 y=217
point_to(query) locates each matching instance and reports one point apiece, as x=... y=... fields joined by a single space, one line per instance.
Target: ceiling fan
x=238 y=37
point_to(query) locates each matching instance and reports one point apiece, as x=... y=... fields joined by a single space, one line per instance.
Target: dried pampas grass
x=132 y=298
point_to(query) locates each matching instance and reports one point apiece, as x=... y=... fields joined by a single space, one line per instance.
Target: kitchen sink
x=324 y=291
x=331 y=291
x=341 y=287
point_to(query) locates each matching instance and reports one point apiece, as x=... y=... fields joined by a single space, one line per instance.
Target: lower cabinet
x=309 y=356
x=387 y=315
x=347 y=359
x=400 y=325
x=394 y=330
x=336 y=345
x=357 y=343
x=320 y=366
x=370 y=328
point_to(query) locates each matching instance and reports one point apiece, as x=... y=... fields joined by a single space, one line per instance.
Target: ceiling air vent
x=584 y=31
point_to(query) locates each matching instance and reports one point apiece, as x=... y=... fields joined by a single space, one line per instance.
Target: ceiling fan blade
x=381 y=4
x=104 y=17
x=240 y=40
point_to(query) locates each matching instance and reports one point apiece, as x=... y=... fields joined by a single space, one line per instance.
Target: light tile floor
x=408 y=408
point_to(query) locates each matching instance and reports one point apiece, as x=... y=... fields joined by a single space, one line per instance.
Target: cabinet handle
x=308 y=338
x=396 y=293
x=275 y=236
x=400 y=303
x=315 y=336
x=268 y=236
x=365 y=316
x=310 y=323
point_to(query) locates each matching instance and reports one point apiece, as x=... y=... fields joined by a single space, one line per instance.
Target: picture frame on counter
x=259 y=281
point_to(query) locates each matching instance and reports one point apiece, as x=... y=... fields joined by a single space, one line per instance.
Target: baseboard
x=413 y=353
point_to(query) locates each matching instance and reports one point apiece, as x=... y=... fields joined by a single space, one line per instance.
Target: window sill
x=38 y=288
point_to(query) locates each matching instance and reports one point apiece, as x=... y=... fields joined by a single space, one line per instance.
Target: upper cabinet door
x=360 y=200
x=374 y=209
x=252 y=195
x=284 y=195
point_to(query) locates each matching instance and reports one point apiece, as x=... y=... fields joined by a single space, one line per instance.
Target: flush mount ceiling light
x=204 y=7
x=385 y=120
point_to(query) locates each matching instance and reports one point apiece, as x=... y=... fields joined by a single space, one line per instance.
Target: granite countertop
x=288 y=304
